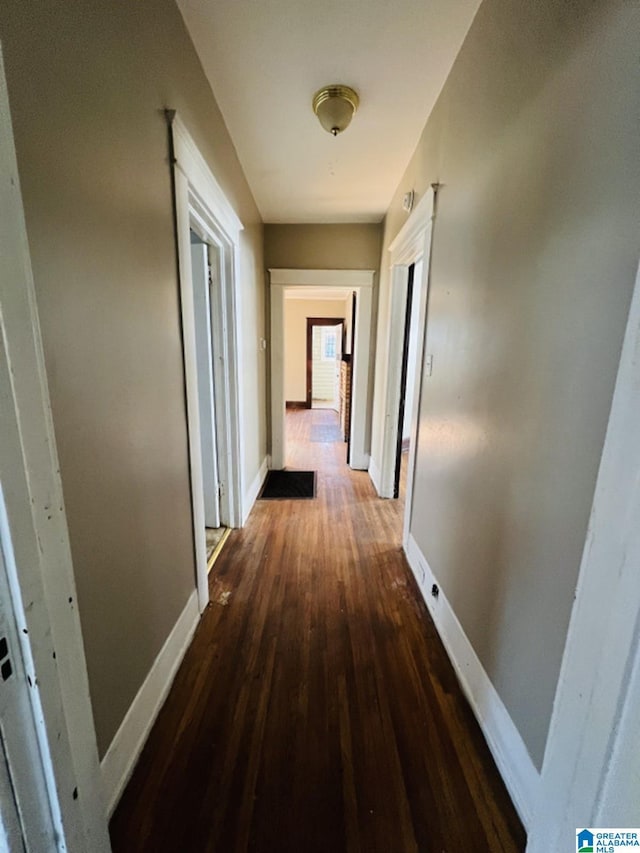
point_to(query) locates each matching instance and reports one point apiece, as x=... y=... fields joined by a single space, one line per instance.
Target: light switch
x=428 y=365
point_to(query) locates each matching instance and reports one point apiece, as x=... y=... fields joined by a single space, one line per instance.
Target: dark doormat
x=289 y=484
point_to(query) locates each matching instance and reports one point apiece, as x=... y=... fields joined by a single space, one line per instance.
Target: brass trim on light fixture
x=341 y=93
x=338 y=91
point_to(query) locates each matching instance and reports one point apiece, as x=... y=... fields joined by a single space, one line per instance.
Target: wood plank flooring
x=317 y=711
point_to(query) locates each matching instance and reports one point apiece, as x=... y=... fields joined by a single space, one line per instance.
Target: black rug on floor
x=289 y=484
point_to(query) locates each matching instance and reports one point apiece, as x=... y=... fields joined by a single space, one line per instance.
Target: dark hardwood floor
x=317 y=711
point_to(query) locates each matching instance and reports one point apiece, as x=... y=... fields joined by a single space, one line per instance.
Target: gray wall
x=535 y=142
x=346 y=246
x=87 y=83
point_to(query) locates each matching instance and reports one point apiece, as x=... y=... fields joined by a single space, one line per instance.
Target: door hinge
x=6 y=670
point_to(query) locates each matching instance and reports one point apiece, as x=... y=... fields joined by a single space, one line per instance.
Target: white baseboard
x=254 y=489
x=359 y=462
x=374 y=473
x=120 y=759
x=507 y=747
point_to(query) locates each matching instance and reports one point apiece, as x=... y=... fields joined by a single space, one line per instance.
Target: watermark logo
x=602 y=840
x=585 y=841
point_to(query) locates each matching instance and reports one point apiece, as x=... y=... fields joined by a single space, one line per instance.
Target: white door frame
x=412 y=243
x=33 y=806
x=36 y=541
x=590 y=773
x=11 y=830
x=206 y=384
x=201 y=206
x=360 y=281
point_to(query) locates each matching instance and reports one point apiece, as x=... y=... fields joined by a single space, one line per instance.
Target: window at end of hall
x=328 y=344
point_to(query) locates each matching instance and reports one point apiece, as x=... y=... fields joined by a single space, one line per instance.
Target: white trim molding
x=124 y=751
x=202 y=206
x=196 y=170
x=412 y=243
x=346 y=279
x=254 y=489
x=503 y=738
x=374 y=473
x=360 y=281
x=407 y=245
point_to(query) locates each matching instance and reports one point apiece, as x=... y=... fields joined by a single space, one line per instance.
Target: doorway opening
x=204 y=262
x=407 y=364
x=208 y=233
x=354 y=288
x=318 y=335
x=324 y=357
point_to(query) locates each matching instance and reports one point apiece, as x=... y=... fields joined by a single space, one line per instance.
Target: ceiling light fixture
x=335 y=106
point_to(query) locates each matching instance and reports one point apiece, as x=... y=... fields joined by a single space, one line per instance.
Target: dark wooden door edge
x=296 y=404
x=403 y=379
x=351 y=358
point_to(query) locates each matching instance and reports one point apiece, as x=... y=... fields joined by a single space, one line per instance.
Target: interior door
x=204 y=356
x=320 y=357
x=336 y=395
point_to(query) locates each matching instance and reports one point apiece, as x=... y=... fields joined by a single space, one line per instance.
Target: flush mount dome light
x=335 y=106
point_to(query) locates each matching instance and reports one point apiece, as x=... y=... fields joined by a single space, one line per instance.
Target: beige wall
x=534 y=140
x=296 y=312
x=346 y=246
x=87 y=83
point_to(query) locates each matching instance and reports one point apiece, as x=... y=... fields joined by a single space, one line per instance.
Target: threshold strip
x=217 y=549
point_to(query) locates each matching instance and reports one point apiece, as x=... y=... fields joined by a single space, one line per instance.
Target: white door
x=204 y=355
x=26 y=822
x=336 y=393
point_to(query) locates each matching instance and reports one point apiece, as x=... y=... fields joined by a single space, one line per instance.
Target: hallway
x=316 y=710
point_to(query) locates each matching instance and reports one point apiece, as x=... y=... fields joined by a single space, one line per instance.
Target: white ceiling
x=266 y=58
